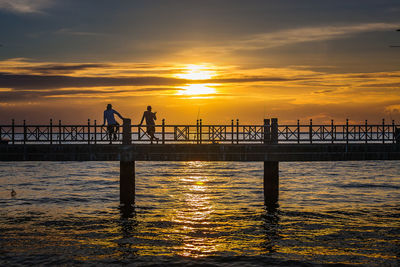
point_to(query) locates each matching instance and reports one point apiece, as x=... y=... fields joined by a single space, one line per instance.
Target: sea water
x=200 y=213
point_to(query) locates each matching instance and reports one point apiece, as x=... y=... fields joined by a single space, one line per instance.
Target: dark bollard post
x=271 y=172
x=274 y=131
x=267 y=131
x=163 y=131
x=127 y=168
x=126 y=132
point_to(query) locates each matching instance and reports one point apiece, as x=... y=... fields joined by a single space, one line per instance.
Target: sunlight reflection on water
x=200 y=212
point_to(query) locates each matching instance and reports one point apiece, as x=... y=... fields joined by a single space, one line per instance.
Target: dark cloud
x=33 y=82
x=56 y=82
x=251 y=79
x=381 y=85
x=23 y=95
x=61 y=68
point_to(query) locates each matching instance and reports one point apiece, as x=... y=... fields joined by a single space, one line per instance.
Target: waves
x=191 y=213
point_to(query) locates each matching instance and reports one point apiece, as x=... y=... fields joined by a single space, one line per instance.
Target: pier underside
x=203 y=152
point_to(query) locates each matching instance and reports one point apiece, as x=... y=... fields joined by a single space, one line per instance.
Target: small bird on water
x=13 y=193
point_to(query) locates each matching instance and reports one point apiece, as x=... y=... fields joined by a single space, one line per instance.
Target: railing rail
x=234 y=133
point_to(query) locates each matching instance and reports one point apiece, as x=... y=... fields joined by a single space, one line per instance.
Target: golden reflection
x=195 y=217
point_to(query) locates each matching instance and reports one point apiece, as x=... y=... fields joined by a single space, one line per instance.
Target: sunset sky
x=219 y=60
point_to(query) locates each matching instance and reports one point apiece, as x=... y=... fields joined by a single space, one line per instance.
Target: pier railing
x=233 y=133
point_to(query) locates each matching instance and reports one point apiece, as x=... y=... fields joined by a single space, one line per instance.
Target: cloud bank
x=24 y=6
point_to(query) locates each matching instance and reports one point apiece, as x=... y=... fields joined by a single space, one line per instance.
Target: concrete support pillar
x=127 y=169
x=127 y=183
x=271 y=182
x=271 y=169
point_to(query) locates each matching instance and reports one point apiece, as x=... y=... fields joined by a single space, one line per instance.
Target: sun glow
x=197 y=89
x=197 y=72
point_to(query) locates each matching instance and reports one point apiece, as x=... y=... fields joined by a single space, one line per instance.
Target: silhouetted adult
x=112 y=124
x=150 y=118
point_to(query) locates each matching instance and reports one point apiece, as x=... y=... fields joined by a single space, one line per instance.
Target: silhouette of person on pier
x=112 y=124
x=150 y=124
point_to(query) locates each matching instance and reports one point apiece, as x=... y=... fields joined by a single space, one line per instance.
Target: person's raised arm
x=119 y=115
x=154 y=116
x=142 y=120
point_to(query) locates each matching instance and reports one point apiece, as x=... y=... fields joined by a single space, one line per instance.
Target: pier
x=268 y=142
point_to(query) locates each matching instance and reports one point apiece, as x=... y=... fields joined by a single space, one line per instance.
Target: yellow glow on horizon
x=197 y=89
x=197 y=72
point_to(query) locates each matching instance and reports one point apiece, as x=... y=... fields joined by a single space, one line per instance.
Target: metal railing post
x=13 y=131
x=393 y=130
x=88 y=133
x=233 y=130
x=201 y=131
x=59 y=131
x=197 y=132
x=237 y=131
x=333 y=137
x=51 y=131
x=366 y=131
x=163 y=131
x=24 y=132
x=298 y=131
x=95 y=132
x=310 y=131
x=347 y=131
x=383 y=131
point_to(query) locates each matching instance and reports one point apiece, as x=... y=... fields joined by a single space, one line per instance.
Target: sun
x=197 y=72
